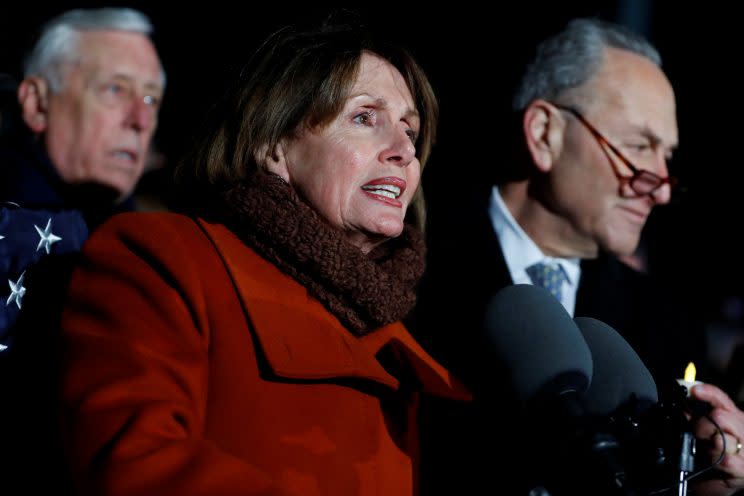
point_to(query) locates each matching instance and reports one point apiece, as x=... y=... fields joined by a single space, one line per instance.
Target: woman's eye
x=412 y=135
x=365 y=118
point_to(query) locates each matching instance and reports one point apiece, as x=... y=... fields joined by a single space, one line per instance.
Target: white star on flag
x=16 y=291
x=48 y=238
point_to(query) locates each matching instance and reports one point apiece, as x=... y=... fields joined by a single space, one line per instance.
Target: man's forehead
x=118 y=53
x=632 y=87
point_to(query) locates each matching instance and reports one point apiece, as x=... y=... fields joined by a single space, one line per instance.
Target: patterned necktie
x=548 y=276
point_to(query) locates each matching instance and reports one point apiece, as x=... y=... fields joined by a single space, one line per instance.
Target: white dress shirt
x=520 y=252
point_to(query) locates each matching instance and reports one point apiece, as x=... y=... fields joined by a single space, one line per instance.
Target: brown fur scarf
x=363 y=291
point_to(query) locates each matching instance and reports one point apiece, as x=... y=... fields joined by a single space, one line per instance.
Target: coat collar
x=302 y=340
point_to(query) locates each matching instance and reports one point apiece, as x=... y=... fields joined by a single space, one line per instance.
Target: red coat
x=193 y=366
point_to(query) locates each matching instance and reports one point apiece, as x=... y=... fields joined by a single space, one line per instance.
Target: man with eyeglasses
x=88 y=107
x=597 y=129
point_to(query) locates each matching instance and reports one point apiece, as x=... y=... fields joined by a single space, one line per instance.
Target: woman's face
x=360 y=171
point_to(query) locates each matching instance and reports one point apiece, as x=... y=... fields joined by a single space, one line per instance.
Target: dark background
x=473 y=56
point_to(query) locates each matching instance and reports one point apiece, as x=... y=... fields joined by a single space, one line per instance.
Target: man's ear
x=543 y=130
x=274 y=159
x=32 y=96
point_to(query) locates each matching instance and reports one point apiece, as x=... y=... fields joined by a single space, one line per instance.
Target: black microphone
x=651 y=437
x=620 y=376
x=540 y=347
x=549 y=365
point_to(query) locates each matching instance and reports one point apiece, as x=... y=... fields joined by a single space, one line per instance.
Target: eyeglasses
x=642 y=182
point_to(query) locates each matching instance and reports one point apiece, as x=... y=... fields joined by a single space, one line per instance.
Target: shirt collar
x=520 y=251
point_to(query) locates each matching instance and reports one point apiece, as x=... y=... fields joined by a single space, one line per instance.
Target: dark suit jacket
x=465 y=268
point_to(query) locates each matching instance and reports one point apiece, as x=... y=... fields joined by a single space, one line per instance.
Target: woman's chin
x=388 y=228
x=368 y=239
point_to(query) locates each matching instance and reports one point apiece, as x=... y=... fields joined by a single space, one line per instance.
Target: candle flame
x=690 y=372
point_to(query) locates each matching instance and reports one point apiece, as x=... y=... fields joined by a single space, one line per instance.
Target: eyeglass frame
x=638 y=174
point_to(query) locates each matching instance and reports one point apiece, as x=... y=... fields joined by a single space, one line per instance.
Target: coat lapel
x=300 y=338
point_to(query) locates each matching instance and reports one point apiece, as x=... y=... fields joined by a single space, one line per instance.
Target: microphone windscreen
x=537 y=342
x=619 y=373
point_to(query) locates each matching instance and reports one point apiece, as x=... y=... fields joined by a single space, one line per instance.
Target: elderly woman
x=254 y=346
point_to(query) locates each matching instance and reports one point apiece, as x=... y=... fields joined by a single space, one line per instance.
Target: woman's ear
x=274 y=159
x=543 y=132
x=32 y=96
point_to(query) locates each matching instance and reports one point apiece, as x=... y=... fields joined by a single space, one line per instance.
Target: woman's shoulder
x=148 y=231
x=147 y=225
x=125 y=220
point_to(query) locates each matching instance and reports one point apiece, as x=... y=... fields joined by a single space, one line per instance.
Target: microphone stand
x=686 y=461
x=687 y=453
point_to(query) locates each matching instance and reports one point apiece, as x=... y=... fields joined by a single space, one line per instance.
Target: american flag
x=25 y=237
